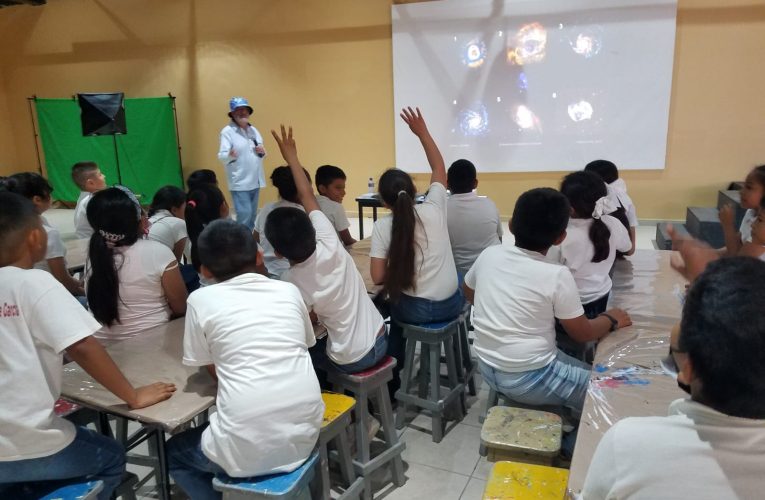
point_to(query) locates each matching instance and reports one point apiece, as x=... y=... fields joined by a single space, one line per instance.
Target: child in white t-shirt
x=473 y=220
x=132 y=284
x=622 y=206
x=35 y=188
x=517 y=296
x=282 y=180
x=39 y=321
x=592 y=240
x=252 y=334
x=166 y=224
x=330 y=182
x=89 y=179
x=756 y=247
x=711 y=445
x=752 y=194
x=411 y=254
x=327 y=278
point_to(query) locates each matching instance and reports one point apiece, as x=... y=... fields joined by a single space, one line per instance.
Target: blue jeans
x=415 y=310
x=246 y=206
x=90 y=457
x=189 y=466
x=563 y=382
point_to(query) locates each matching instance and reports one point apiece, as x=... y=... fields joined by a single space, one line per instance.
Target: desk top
x=76 y=253
x=153 y=356
x=627 y=377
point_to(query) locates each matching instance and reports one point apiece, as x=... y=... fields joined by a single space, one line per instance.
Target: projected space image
x=538 y=86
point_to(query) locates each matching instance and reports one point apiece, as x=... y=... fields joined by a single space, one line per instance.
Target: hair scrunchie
x=603 y=206
x=192 y=203
x=403 y=192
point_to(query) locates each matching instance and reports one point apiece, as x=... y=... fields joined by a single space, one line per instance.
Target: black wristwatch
x=614 y=323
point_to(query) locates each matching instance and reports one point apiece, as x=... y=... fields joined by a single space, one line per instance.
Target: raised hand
x=287 y=145
x=152 y=394
x=727 y=215
x=693 y=256
x=415 y=121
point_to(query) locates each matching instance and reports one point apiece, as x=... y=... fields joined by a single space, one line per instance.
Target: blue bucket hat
x=238 y=102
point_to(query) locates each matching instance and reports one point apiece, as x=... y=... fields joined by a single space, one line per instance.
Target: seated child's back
x=473 y=220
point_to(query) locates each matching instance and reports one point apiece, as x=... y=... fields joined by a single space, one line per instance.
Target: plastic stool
x=372 y=385
x=525 y=482
x=491 y=402
x=528 y=436
x=288 y=486
x=431 y=337
x=81 y=491
x=337 y=420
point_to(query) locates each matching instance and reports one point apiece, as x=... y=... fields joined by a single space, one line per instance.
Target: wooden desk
x=627 y=378
x=76 y=254
x=360 y=253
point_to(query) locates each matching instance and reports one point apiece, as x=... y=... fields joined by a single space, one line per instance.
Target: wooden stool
x=528 y=436
x=431 y=337
x=337 y=420
x=491 y=402
x=525 y=482
x=372 y=385
x=288 y=486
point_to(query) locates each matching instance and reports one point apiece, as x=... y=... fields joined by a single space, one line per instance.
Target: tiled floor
x=451 y=469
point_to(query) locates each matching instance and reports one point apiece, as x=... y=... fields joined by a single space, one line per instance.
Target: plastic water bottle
x=371 y=185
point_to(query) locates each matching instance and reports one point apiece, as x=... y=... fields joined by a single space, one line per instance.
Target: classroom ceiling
x=11 y=3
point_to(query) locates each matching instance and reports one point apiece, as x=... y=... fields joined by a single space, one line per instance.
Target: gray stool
x=334 y=427
x=432 y=337
x=468 y=365
x=372 y=385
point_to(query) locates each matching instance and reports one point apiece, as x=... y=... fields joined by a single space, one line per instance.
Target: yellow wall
x=325 y=66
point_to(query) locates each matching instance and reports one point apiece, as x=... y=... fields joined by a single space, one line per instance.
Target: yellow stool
x=334 y=426
x=522 y=435
x=516 y=481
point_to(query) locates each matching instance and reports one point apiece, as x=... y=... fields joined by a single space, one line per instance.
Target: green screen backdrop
x=148 y=153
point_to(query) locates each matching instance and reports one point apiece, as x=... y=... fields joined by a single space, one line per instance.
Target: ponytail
x=115 y=216
x=585 y=191
x=203 y=205
x=397 y=191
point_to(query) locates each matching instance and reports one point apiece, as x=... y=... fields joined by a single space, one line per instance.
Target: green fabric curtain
x=148 y=153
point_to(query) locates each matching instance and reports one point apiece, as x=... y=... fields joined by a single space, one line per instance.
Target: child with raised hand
x=39 y=322
x=330 y=182
x=592 y=240
x=132 y=284
x=166 y=219
x=89 y=179
x=518 y=295
x=411 y=254
x=326 y=276
x=252 y=334
x=756 y=247
x=35 y=188
x=751 y=196
x=204 y=204
x=284 y=182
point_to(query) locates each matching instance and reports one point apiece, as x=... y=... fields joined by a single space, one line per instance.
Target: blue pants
x=415 y=310
x=373 y=357
x=189 y=466
x=246 y=206
x=90 y=457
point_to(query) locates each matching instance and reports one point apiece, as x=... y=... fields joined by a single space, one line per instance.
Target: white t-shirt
x=142 y=303
x=518 y=295
x=245 y=172
x=695 y=452
x=617 y=192
x=82 y=227
x=167 y=228
x=332 y=286
x=474 y=225
x=38 y=320
x=436 y=274
x=576 y=251
x=334 y=212
x=746 y=225
x=275 y=265
x=256 y=332
x=55 y=247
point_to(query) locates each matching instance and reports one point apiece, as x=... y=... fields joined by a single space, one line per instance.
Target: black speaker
x=102 y=114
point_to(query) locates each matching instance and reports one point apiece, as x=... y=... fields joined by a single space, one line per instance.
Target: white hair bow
x=603 y=207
